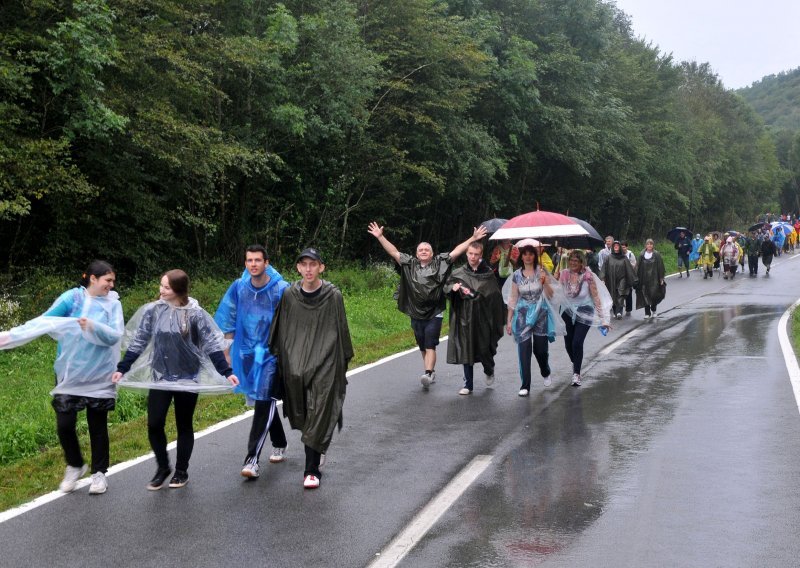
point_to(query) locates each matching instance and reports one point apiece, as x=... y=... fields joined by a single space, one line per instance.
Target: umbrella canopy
x=757 y=226
x=527 y=243
x=493 y=224
x=675 y=233
x=539 y=225
x=593 y=239
x=787 y=228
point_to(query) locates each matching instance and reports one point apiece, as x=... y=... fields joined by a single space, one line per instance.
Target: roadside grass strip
x=788 y=352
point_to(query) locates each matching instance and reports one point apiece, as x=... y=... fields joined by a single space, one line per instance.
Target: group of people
x=519 y=296
x=728 y=251
x=290 y=342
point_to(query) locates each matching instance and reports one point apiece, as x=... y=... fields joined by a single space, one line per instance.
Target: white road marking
x=53 y=495
x=606 y=350
x=788 y=352
x=404 y=542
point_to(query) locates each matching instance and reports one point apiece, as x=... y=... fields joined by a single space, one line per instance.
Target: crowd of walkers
x=271 y=340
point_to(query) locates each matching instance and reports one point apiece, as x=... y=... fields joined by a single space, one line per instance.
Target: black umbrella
x=493 y=224
x=593 y=239
x=675 y=233
x=757 y=226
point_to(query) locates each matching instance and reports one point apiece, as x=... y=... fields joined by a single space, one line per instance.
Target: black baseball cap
x=311 y=253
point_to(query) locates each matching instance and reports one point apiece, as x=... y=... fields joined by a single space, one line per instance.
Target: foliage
x=157 y=133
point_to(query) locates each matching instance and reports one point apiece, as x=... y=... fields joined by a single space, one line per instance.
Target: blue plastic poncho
x=534 y=313
x=247 y=311
x=695 y=254
x=86 y=358
x=174 y=344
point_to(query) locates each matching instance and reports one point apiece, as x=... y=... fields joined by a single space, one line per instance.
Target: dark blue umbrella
x=675 y=233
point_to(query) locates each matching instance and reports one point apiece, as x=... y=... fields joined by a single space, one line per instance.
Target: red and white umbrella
x=540 y=225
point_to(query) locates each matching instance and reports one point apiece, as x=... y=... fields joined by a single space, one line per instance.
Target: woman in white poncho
x=176 y=351
x=87 y=322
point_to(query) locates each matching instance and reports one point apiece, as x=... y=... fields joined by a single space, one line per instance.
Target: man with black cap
x=311 y=340
x=421 y=296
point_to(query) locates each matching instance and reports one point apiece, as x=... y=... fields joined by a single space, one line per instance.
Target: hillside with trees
x=777 y=99
x=155 y=132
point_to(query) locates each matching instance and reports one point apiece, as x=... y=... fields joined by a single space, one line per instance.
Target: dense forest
x=151 y=132
x=777 y=99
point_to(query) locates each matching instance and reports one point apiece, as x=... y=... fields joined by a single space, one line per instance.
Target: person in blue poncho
x=245 y=315
x=87 y=322
x=694 y=255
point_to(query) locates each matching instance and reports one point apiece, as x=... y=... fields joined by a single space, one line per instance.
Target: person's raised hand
x=375 y=230
x=478 y=232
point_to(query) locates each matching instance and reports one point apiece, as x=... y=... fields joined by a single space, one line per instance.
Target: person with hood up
x=176 y=352
x=619 y=277
x=476 y=317
x=87 y=322
x=708 y=256
x=768 y=251
x=421 y=295
x=652 y=284
x=694 y=255
x=729 y=255
x=245 y=315
x=311 y=340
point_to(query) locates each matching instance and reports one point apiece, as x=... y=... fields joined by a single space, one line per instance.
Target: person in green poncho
x=311 y=340
x=420 y=296
x=477 y=315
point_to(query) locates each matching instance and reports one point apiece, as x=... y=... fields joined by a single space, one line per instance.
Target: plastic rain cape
x=528 y=311
x=581 y=306
x=86 y=359
x=247 y=312
x=173 y=343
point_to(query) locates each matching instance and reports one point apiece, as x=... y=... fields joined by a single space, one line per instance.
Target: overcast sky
x=742 y=40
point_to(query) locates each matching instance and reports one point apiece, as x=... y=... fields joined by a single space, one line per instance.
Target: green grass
x=795 y=335
x=31 y=461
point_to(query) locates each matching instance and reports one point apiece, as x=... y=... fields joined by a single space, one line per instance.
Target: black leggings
x=573 y=341
x=98 y=437
x=158 y=402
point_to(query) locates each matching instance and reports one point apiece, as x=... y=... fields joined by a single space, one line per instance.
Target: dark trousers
x=629 y=301
x=98 y=437
x=752 y=263
x=312 y=462
x=573 y=341
x=488 y=368
x=537 y=346
x=265 y=419
x=648 y=309
x=158 y=402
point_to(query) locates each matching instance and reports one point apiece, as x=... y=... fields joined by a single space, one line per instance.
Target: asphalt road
x=680 y=449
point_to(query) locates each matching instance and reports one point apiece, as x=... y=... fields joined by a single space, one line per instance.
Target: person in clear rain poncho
x=87 y=322
x=176 y=351
x=245 y=315
x=585 y=303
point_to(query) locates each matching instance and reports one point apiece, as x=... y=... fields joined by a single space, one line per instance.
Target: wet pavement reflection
x=566 y=464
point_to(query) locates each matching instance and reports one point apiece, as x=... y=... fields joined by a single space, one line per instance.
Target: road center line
x=788 y=353
x=427 y=517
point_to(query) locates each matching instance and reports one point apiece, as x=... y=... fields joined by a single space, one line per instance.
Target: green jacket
x=311 y=340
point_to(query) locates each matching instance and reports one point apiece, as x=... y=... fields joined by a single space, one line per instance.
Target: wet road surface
x=680 y=449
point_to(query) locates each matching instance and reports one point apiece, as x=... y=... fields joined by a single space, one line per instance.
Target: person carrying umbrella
x=684 y=247
x=421 y=295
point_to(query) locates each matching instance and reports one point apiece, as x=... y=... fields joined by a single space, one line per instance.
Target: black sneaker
x=180 y=479
x=158 y=479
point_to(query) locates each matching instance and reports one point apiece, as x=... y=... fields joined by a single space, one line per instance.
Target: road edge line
x=789 y=356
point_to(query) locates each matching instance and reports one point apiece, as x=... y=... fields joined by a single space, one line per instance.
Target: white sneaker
x=311 y=482
x=277 y=455
x=548 y=381
x=71 y=477
x=523 y=392
x=250 y=470
x=99 y=484
x=465 y=390
x=489 y=380
x=576 y=379
x=427 y=380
